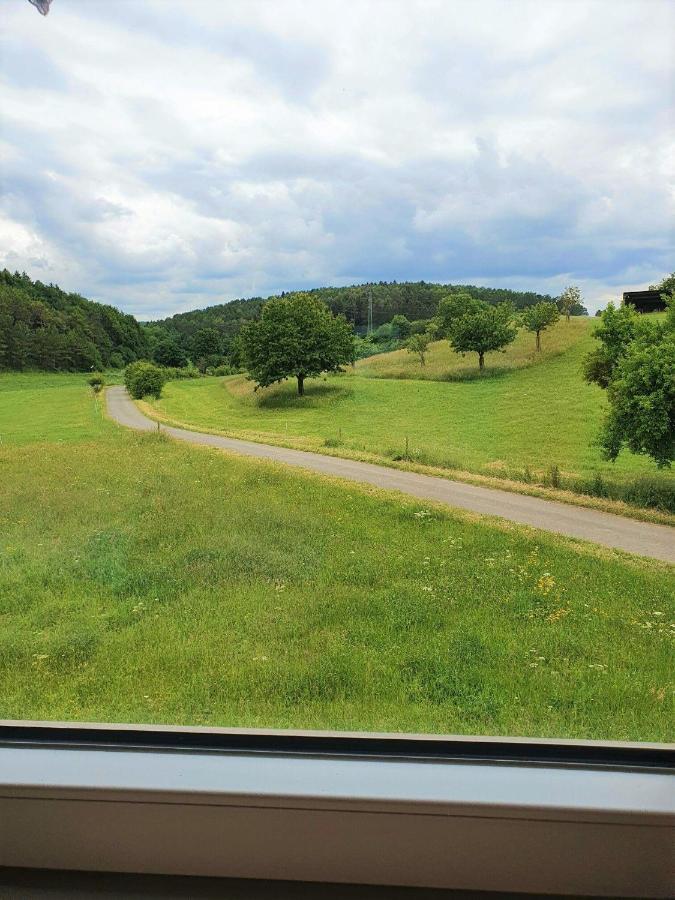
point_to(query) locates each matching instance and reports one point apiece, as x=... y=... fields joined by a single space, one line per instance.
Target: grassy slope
x=443 y=364
x=536 y=416
x=141 y=580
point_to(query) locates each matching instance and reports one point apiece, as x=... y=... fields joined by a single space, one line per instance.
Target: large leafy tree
x=485 y=330
x=295 y=337
x=642 y=400
x=636 y=364
x=538 y=318
x=617 y=328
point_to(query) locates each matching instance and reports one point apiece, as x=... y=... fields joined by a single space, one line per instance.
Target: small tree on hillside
x=569 y=301
x=419 y=344
x=538 y=318
x=295 y=337
x=490 y=328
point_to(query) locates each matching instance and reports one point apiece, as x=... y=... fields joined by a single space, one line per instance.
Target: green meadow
x=520 y=422
x=145 y=581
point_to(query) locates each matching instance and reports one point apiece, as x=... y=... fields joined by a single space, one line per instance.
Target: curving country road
x=643 y=538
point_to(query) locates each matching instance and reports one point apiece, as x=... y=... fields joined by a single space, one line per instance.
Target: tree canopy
x=453 y=307
x=636 y=364
x=569 y=302
x=295 y=337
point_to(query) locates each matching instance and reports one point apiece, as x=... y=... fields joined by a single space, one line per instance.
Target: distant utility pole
x=370 y=311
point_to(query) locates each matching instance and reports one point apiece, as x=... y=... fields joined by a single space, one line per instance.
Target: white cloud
x=162 y=154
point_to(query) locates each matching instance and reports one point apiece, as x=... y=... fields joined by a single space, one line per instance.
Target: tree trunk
x=301 y=385
x=422 y=359
x=538 y=340
x=567 y=314
x=481 y=361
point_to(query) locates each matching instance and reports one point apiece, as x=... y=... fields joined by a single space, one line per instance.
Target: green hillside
x=525 y=423
x=43 y=327
x=416 y=300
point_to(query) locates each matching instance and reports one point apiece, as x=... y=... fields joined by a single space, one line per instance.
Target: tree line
x=209 y=337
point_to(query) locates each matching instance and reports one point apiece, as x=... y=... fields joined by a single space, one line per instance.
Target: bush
x=221 y=370
x=96 y=380
x=178 y=373
x=143 y=378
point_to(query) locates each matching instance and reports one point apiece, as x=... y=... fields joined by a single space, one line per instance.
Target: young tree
x=298 y=337
x=570 y=301
x=538 y=318
x=419 y=344
x=489 y=328
x=143 y=378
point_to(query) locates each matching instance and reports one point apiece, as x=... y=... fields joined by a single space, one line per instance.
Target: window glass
x=336 y=365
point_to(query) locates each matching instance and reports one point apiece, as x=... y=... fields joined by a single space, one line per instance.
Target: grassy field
x=144 y=581
x=514 y=425
x=443 y=364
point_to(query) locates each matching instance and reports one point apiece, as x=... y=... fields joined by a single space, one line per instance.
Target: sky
x=165 y=155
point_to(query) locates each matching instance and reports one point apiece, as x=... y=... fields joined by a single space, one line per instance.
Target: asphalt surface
x=618 y=532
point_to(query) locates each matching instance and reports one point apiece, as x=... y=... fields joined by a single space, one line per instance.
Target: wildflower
x=546 y=583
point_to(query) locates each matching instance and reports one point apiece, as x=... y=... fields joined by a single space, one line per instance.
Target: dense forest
x=43 y=327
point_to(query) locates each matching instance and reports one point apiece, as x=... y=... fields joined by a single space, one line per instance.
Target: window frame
x=472 y=813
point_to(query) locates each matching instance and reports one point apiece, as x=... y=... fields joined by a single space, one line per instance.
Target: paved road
x=657 y=541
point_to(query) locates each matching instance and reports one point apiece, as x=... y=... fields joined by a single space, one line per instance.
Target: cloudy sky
x=163 y=155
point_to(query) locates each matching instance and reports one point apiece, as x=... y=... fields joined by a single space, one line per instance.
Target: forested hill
x=415 y=300
x=43 y=327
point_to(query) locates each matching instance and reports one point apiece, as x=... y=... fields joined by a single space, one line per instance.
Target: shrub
x=96 y=380
x=223 y=369
x=143 y=378
x=179 y=373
